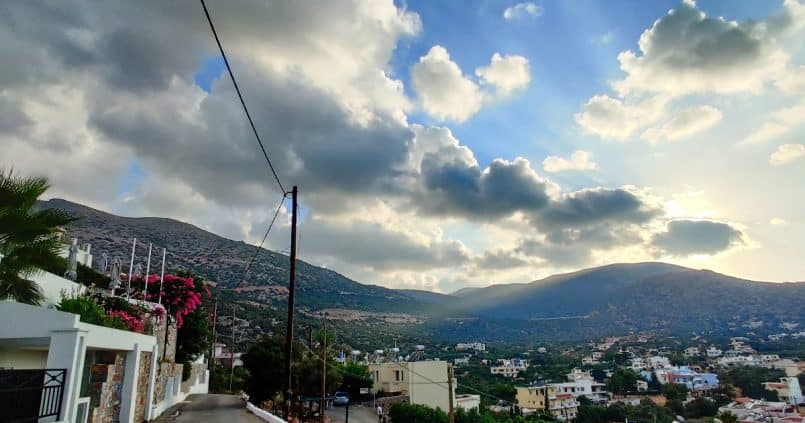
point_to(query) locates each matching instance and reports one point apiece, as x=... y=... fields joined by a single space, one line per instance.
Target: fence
x=28 y=395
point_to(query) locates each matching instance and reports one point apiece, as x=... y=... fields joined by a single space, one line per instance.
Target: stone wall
x=142 y=386
x=198 y=374
x=106 y=386
x=167 y=352
x=169 y=378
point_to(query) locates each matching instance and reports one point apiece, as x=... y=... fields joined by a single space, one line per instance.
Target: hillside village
x=402 y=211
x=562 y=381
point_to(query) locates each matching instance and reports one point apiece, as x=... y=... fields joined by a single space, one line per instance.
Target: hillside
x=222 y=261
x=622 y=297
x=593 y=302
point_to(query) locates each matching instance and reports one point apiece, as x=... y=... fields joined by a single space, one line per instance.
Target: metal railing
x=28 y=395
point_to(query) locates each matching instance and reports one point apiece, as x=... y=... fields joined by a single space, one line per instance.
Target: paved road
x=356 y=414
x=210 y=408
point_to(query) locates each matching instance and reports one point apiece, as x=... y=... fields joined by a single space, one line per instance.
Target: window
x=399 y=375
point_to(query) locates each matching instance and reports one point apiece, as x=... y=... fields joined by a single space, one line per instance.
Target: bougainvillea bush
x=179 y=295
x=113 y=312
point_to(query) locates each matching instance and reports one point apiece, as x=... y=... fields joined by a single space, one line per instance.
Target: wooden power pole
x=232 y=352
x=323 y=403
x=214 y=339
x=450 y=392
x=291 y=290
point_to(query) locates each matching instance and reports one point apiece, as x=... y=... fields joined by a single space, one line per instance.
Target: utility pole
x=214 y=340
x=323 y=403
x=450 y=392
x=291 y=291
x=232 y=352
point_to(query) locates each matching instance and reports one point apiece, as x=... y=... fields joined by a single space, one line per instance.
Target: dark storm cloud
x=456 y=188
x=596 y=205
x=688 y=237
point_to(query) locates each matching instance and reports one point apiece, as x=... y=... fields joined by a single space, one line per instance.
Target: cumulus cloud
x=691 y=237
x=506 y=73
x=446 y=93
x=464 y=189
x=787 y=153
x=612 y=118
x=780 y=122
x=522 y=10
x=687 y=122
x=597 y=205
x=443 y=90
x=501 y=259
x=777 y=221
x=688 y=52
x=793 y=81
x=579 y=160
x=377 y=247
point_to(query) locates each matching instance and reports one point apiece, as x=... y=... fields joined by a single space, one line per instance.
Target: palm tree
x=29 y=238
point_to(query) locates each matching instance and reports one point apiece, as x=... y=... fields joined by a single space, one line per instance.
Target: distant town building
x=468 y=401
x=691 y=352
x=460 y=361
x=533 y=399
x=476 y=346
x=713 y=352
x=749 y=411
x=683 y=375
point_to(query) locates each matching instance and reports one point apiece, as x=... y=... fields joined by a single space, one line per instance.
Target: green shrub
x=85 y=307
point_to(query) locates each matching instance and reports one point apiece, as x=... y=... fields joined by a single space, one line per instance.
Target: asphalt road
x=210 y=408
x=356 y=414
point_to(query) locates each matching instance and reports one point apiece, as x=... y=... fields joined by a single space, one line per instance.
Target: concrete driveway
x=210 y=408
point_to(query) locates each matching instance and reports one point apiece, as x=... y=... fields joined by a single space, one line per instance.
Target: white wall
x=23 y=359
x=428 y=384
x=53 y=286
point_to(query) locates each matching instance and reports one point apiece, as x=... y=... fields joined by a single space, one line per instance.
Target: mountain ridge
x=614 y=298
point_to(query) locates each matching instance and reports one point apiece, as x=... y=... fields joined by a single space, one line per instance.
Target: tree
x=623 y=381
x=749 y=379
x=355 y=377
x=700 y=407
x=264 y=361
x=415 y=413
x=193 y=337
x=29 y=239
x=675 y=391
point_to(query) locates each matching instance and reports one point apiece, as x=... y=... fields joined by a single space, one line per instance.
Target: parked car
x=341 y=398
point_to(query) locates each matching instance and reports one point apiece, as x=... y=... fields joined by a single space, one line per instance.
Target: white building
x=658 y=362
x=638 y=364
x=713 y=352
x=510 y=368
x=476 y=346
x=468 y=401
x=510 y=371
x=460 y=361
x=89 y=370
x=583 y=384
x=425 y=382
x=691 y=352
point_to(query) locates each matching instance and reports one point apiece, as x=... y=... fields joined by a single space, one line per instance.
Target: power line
x=260 y=247
x=240 y=96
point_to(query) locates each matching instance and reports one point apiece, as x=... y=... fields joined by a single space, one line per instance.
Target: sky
x=436 y=145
